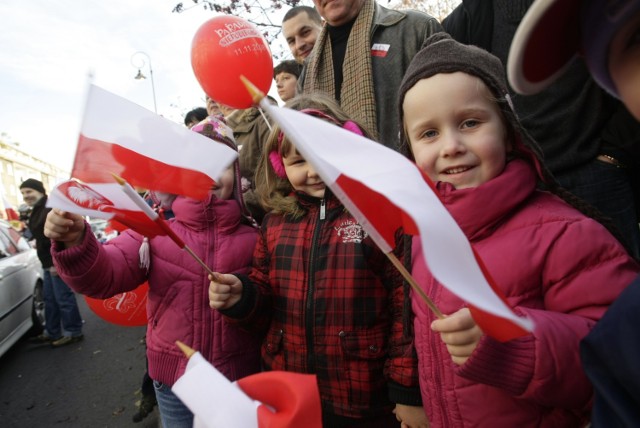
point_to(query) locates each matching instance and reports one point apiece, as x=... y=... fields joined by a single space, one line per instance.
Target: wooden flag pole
x=199 y=260
x=256 y=94
x=412 y=282
x=186 y=350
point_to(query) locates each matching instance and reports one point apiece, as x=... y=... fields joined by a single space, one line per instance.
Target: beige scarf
x=357 y=98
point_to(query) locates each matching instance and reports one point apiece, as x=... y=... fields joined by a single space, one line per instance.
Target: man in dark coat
x=63 y=323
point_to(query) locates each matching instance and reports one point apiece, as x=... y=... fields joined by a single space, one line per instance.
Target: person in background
x=587 y=137
x=250 y=130
x=195 y=116
x=216 y=230
x=286 y=76
x=486 y=170
x=300 y=28
x=360 y=57
x=63 y=323
x=331 y=301
x=213 y=108
x=607 y=42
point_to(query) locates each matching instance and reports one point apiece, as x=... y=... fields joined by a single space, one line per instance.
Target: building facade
x=16 y=166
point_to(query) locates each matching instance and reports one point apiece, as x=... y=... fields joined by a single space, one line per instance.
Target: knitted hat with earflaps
x=441 y=54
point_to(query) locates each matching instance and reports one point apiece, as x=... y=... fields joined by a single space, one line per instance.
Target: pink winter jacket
x=554 y=265
x=178 y=303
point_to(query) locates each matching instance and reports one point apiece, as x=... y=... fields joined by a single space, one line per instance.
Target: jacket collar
x=309 y=202
x=200 y=215
x=480 y=209
x=387 y=17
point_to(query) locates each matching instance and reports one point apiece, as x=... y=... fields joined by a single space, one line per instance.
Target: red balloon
x=128 y=309
x=223 y=49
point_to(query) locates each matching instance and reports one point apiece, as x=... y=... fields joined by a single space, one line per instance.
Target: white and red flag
x=106 y=201
x=120 y=137
x=385 y=191
x=12 y=214
x=274 y=399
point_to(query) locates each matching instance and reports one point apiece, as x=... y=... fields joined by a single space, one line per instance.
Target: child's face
x=301 y=175
x=286 y=84
x=624 y=64
x=455 y=130
x=223 y=188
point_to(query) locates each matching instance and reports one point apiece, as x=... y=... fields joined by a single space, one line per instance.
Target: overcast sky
x=50 y=47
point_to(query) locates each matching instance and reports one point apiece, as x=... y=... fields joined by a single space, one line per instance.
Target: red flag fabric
x=289 y=400
x=147 y=150
x=386 y=191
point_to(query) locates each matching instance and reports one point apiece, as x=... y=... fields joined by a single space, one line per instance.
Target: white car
x=21 y=296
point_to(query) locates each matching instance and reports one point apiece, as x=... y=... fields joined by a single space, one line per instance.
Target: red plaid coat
x=332 y=304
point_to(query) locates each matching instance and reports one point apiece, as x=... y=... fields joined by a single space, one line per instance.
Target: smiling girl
x=330 y=300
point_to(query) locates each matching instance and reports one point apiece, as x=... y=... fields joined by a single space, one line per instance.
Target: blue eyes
x=433 y=133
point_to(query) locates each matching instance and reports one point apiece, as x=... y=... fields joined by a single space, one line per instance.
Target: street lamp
x=141 y=76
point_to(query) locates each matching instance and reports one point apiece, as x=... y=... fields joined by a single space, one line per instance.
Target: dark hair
x=196 y=115
x=311 y=12
x=288 y=66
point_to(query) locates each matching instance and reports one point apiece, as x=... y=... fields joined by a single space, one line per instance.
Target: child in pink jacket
x=178 y=306
x=554 y=264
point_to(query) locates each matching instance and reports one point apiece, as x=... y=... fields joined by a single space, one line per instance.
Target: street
x=92 y=383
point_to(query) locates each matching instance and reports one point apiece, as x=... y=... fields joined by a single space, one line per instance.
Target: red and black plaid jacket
x=332 y=304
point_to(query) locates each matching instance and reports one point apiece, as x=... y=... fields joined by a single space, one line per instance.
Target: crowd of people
x=540 y=175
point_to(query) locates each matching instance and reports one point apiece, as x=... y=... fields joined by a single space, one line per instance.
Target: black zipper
x=310 y=303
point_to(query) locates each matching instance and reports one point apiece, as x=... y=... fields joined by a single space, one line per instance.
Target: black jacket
x=36 y=226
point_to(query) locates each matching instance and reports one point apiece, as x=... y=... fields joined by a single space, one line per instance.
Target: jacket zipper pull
x=322 y=210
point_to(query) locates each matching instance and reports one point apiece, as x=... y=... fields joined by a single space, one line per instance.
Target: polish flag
x=273 y=399
x=106 y=201
x=147 y=150
x=384 y=191
x=11 y=213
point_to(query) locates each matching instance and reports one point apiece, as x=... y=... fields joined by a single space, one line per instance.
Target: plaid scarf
x=357 y=98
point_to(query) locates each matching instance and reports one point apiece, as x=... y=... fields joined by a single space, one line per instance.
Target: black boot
x=147 y=403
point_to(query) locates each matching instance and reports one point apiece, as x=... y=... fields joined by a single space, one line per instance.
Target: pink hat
x=553 y=32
